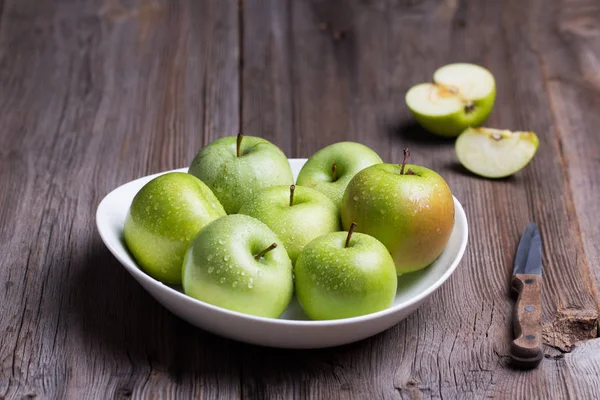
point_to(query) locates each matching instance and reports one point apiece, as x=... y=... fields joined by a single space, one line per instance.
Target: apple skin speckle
x=416 y=226
x=238 y=281
x=313 y=214
x=235 y=180
x=164 y=216
x=349 y=157
x=335 y=282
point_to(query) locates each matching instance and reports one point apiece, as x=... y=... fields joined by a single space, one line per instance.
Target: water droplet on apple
x=221 y=241
x=226 y=258
x=251 y=283
x=243 y=273
x=437 y=229
x=156 y=206
x=209 y=257
x=355 y=198
x=234 y=284
x=210 y=270
x=222 y=280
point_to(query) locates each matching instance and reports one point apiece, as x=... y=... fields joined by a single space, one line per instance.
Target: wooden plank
x=568 y=44
x=570 y=312
x=267 y=107
x=92 y=95
x=345 y=67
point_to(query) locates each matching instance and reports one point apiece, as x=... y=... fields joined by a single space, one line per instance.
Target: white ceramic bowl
x=293 y=329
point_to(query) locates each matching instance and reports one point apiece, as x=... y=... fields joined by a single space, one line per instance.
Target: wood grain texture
x=95 y=93
x=345 y=68
x=568 y=41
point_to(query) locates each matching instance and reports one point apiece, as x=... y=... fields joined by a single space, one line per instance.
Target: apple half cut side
x=461 y=96
x=495 y=153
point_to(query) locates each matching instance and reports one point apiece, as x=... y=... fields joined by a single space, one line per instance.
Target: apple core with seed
x=494 y=153
x=461 y=96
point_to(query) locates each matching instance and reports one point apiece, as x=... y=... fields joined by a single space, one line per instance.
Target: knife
x=526 y=283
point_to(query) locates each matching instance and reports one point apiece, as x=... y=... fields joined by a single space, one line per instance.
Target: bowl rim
x=140 y=275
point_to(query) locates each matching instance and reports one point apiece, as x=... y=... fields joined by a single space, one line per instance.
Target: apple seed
x=469 y=107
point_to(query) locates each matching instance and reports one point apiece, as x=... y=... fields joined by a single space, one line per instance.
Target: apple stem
x=352 y=226
x=265 y=251
x=292 y=188
x=334 y=172
x=406 y=155
x=239 y=143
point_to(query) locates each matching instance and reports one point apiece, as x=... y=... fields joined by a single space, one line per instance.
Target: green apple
x=296 y=214
x=237 y=263
x=409 y=208
x=163 y=218
x=461 y=96
x=238 y=168
x=343 y=275
x=494 y=153
x=330 y=169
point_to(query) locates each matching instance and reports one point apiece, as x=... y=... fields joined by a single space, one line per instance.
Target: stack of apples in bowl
x=252 y=235
x=315 y=252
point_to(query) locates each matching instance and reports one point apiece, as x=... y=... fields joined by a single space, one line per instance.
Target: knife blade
x=526 y=349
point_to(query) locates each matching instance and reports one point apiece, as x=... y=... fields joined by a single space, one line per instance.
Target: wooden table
x=96 y=93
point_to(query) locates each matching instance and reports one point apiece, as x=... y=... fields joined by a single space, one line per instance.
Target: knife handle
x=526 y=350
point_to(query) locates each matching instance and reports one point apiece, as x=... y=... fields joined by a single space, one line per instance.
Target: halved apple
x=495 y=153
x=462 y=95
